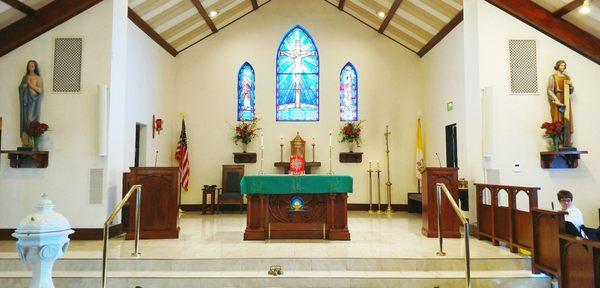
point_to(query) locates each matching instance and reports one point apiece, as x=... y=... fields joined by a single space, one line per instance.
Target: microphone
x=438 y=158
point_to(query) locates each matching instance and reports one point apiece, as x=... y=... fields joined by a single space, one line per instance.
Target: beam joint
x=389 y=15
x=205 y=16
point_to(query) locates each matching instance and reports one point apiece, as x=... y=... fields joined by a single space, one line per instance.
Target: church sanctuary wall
x=150 y=91
x=72 y=139
x=389 y=93
x=443 y=82
x=517 y=119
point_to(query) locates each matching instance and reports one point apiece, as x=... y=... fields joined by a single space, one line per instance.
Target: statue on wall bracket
x=31 y=91
x=559 y=92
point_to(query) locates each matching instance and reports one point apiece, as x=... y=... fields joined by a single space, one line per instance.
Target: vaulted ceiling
x=417 y=25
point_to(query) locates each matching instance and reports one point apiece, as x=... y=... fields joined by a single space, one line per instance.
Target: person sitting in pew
x=574 y=219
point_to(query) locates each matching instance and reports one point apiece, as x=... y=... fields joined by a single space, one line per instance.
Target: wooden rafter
x=440 y=35
x=254 y=4
x=341 y=4
x=560 y=30
x=138 y=21
x=205 y=16
x=46 y=18
x=390 y=15
x=20 y=6
x=568 y=8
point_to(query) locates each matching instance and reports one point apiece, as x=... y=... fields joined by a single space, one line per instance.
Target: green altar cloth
x=293 y=184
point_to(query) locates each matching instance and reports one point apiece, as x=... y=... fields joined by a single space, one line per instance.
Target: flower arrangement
x=350 y=133
x=554 y=132
x=35 y=130
x=245 y=131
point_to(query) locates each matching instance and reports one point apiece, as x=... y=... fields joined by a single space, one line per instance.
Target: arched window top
x=246 y=78
x=348 y=93
x=297 y=69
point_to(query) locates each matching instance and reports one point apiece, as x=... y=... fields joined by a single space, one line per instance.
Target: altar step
x=245 y=272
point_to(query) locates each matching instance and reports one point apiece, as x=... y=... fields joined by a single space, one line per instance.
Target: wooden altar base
x=324 y=216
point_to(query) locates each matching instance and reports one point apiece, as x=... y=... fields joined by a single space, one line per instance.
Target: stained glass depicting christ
x=297 y=69
x=245 y=101
x=348 y=93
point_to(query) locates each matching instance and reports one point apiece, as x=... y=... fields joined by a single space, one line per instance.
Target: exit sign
x=449 y=106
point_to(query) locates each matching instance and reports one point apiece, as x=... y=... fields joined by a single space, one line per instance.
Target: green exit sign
x=449 y=106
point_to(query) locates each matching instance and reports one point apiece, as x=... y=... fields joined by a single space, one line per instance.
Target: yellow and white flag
x=420 y=151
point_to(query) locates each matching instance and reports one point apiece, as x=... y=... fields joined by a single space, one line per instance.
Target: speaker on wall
x=103 y=94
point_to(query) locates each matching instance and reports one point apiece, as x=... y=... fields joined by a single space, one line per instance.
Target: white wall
x=150 y=90
x=516 y=132
x=389 y=93
x=444 y=81
x=72 y=119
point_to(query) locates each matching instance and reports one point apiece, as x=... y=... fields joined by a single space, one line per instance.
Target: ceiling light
x=585 y=8
x=212 y=14
x=381 y=14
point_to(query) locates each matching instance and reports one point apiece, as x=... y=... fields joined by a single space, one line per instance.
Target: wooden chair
x=230 y=191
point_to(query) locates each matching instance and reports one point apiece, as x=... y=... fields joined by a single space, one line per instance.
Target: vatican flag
x=420 y=150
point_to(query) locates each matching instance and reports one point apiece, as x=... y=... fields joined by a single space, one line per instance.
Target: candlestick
x=330 y=162
x=262 y=140
x=378 y=171
x=388 y=183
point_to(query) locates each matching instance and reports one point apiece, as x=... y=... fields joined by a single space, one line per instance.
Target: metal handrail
x=441 y=187
x=138 y=201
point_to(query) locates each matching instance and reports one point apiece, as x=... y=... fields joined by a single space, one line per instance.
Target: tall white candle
x=370 y=166
x=329 y=138
x=377 y=165
x=281 y=139
x=313 y=138
x=262 y=139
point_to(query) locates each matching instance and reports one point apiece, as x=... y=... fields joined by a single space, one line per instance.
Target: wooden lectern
x=450 y=221
x=159 y=218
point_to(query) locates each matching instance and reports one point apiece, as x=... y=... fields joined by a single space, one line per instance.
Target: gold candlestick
x=370 y=171
x=378 y=171
x=388 y=183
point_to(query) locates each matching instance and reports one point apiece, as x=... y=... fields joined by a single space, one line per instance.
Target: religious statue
x=31 y=91
x=559 y=92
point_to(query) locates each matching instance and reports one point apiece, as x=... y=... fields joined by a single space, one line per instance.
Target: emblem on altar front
x=296 y=204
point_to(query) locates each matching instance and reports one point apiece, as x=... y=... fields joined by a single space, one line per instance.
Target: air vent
x=67 y=65
x=523 y=67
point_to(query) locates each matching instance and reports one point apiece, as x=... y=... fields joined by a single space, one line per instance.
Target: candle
x=377 y=165
x=370 y=166
x=313 y=138
x=329 y=138
x=281 y=139
x=262 y=139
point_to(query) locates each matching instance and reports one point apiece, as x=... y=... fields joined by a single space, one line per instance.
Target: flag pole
x=182 y=114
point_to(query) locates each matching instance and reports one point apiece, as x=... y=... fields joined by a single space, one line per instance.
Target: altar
x=296 y=206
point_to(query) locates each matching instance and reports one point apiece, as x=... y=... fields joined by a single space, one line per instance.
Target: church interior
x=314 y=143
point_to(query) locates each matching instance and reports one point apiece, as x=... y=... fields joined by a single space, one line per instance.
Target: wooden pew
x=506 y=224
x=573 y=260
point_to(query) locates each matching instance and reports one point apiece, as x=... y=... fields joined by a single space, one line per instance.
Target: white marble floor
x=221 y=236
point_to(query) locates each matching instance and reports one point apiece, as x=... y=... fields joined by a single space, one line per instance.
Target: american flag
x=181 y=155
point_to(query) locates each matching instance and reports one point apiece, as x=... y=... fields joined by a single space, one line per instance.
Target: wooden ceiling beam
x=440 y=35
x=341 y=4
x=205 y=16
x=568 y=8
x=20 y=6
x=559 y=29
x=138 y=21
x=389 y=15
x=46 y=18
x=254 y=4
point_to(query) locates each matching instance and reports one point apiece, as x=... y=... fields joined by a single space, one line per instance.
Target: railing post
x=467 y=255
x=104 y=254
x=138 y=204
x=439 y=210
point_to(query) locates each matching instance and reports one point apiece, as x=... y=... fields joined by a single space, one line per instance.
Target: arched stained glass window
x=297 y=69
x=348 y=93
x=245 y=101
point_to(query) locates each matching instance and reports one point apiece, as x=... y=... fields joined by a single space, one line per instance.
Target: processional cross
x=388 y=184
x=297 y=54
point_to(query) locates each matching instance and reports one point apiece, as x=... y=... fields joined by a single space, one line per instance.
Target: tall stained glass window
x=245 y=101
x=348 y=93
x=297 y=69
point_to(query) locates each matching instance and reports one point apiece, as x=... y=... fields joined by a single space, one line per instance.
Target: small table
x=212 y=193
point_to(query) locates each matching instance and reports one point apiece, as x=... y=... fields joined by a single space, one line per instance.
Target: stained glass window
x=297 y=69
x=348 y=93
x=245 y=101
